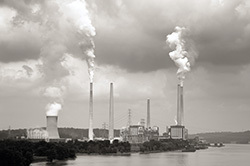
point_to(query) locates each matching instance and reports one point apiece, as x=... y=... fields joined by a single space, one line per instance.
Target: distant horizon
x=120 y=129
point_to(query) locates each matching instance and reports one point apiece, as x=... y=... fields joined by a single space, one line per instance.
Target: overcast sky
x=43 y=51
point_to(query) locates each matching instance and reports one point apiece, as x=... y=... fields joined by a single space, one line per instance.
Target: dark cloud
x=19 y=50
x=132 y=51
x=132 y=34
x=135 y=39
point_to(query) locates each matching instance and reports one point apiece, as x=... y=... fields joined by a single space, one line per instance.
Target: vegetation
x=225 y=137
x=166 y=145
x=54 y=150
x=101 y=147
x=63 y=132
x=16 y=153
x=22 y=152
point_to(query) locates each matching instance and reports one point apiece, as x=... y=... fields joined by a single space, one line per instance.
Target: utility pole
x=104 y=125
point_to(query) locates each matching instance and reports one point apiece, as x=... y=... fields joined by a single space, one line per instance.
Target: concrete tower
x=111 y=113
x=52 y=127
x=91 y=133
x=180 y=108
x=148 y=113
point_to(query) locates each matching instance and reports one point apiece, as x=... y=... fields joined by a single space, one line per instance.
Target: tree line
x=23 y=152
x=73 y=133
x=164 y=145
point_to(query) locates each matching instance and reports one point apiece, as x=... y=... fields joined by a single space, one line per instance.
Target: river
x=229 y=155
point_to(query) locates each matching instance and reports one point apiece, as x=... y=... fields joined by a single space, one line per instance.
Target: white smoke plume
x=63 y=26
x=175 y=120
x=86 y=31
x=183 y=54
x=91 y=64
x=53 y=109
x=54 y=92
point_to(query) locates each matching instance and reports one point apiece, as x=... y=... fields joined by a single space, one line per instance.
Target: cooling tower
x=148 y=113
x=180 y=111
x=52 y=127
x=111 y=113
x=91 y=134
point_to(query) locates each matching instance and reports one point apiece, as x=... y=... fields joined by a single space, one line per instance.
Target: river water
x=230 y=155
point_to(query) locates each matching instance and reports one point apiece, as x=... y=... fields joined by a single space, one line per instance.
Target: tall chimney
x=91 y=134
x=181 y=106
x=148 y=113
x=52 y=127
x=180 y=112
x=111 y=113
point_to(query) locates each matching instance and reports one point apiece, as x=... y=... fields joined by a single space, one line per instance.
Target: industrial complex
x=132 y=133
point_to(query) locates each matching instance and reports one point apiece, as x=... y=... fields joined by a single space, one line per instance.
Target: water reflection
x=230 y=155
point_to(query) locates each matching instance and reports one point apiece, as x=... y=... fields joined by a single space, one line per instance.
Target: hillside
x=63 y=132
x=76 y=133
x=225 y=137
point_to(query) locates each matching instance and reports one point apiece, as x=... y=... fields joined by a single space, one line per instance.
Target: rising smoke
x=183 y=54
x=64 y=27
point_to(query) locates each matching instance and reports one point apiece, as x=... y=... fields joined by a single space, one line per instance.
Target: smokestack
x=111 y=113
x=181 y=106
x=148 y=113
x=180 y=111
x=91 y=134
x=52 y=127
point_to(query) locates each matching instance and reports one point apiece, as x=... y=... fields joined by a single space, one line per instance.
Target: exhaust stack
x=180 y=111
x=148 y=113
x=52 y=127
x=91 y=134
x=111 y=113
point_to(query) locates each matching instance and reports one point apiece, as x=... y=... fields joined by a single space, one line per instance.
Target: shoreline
x=107 y=154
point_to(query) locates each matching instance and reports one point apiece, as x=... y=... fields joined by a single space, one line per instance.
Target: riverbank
x=229 y=155
x=107 y=154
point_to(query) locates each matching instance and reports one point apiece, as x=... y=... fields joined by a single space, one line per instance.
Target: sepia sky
x=43 y=52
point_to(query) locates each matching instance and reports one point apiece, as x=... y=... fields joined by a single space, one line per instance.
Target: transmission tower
x=129 y=117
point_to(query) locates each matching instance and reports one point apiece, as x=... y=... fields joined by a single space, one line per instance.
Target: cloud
x=218 y=29
x=133 y=37
x=40 y=51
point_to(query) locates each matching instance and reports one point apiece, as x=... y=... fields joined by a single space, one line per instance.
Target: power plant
x=133 y=133
x=52 y=127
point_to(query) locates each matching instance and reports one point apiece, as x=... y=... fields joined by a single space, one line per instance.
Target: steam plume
x=91 y=64
x=53 y=109
x=87 y=32
x=63 y=26
x=180 y=56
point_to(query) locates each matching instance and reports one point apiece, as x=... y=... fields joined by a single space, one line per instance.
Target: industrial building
x=37 y=133
x=139 y=134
